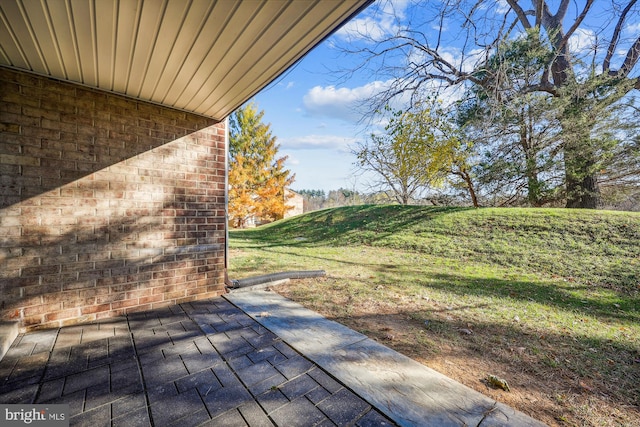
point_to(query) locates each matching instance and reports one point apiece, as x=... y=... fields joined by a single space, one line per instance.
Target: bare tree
x=584 y=83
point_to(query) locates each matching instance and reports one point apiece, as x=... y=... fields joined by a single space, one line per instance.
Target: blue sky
x=312 y=130
x=314 y=113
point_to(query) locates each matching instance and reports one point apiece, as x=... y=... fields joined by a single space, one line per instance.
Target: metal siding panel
x=203 y=56
x=272 y=45
x=21 y=29
x=59 y=11
x=191 y=44
x=12 y=53
x=172 y=25
x=300 y=41
x=126 y=31
x=235 y=43
x=147 y=36
x=45 y=37
x=83 y=23
x=105 y=35
x=207 y=49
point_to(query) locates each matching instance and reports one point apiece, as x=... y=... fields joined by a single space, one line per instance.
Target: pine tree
x=257 y=177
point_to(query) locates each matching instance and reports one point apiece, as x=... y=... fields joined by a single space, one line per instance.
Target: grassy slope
x=570 y=278
x=592 y=246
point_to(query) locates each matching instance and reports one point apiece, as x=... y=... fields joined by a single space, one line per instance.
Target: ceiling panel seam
x=188 y=84
x=34 y=39
x=15 y=40
x=54 y=38
x=74 y=39
x=196 y=34
x=94 y=41
x=209 y=77
x=134 y=38
x=114 y=43
x=185 y=13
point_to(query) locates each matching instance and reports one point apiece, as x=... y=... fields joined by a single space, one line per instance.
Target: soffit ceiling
x=203 y=56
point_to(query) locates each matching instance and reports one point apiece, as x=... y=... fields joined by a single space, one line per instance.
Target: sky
x=312 y=111
x=315 y=111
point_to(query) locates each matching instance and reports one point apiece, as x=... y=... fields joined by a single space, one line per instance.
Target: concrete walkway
x=261 y=361
x=408 y=392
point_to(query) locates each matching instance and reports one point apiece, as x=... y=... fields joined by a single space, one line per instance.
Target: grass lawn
x=548 y=299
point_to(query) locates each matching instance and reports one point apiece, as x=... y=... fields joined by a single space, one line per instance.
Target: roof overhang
x=202 y=56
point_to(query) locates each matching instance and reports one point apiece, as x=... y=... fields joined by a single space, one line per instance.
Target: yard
x=546 y=299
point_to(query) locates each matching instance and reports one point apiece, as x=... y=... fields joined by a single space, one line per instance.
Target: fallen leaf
x=498 y=382
x=585 y=386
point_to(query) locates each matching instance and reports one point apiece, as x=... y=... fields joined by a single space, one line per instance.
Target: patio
x=245 y=359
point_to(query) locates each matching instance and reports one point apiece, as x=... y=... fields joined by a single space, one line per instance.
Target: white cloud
x=317 y=142
x=451 y=55
x=582 y=41
x=502 y=7
x=292 y=160
x=366 y=28
x=342 y=103
x=632 y=28
x=352 y=105
x=376 y=23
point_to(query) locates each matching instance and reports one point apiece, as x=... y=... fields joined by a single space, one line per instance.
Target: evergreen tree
x=257 y=177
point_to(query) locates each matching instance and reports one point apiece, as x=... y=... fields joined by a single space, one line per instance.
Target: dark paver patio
x=246 y=359
x=202 y=363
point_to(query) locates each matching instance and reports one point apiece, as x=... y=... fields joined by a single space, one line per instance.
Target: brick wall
x=107 y=205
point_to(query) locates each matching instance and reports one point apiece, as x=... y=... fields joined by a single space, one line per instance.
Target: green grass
x=562 y=284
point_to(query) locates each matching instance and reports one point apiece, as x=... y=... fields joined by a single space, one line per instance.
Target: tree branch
x=576 y=23
x=615 y=37
x=562 y=10
x=631 y=59
x=522 y=15
x=538 y=13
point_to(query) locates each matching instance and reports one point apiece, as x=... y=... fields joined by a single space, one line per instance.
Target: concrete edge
x=260 y=287
x=8 y=333
x=406 y=391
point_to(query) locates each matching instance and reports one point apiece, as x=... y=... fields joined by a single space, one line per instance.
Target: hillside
x=546 y=298
x=599 y=247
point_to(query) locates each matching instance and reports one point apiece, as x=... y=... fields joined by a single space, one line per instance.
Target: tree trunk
x=580 y=175
x=472 y=192
x=466 y=177
x=534 y=187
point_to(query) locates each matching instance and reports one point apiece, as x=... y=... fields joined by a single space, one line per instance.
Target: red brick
x=151 y=299
x=93 y=212
x=95 y=308
x=63 y=314
x=137 y=308
x=124 y=303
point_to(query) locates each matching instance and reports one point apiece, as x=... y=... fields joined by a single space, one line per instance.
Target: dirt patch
x=539 y=384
